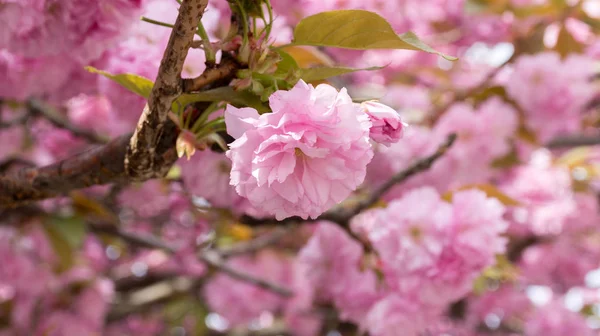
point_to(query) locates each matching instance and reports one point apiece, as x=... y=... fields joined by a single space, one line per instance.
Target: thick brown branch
x=96 y=166
x=11 y=161
x=142 y=161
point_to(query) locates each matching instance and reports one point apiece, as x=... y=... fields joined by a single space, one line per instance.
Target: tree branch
x=417 y=167
x=225 y=69
x=142 y=161
x=210 y=257
x=38 y=108
x=99 y=165
x=255 y=244
x=213 y=259
x=149 y=153
x=573 y=141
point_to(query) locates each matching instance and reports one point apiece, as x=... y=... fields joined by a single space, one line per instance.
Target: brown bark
x=149 y=153
x=99 y=165
x=142 y=160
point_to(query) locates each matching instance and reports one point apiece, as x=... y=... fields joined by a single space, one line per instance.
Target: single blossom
x=555 y=319
x=387 y=128
x=552 y=92
x=306 y=156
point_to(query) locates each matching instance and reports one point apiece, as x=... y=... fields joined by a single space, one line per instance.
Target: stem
x=158 y=23
x=269 y=26
x=244 y=20
x=211 y=127
x=208 y=51
x=203 y=117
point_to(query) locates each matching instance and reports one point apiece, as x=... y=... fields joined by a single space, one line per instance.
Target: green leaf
x=66 y=235
x=287 y=63
x=137 y=84
x=226 y=94
x=355 y=29
x=321 y=73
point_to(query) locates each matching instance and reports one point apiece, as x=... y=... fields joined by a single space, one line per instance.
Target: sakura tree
x=272 y=167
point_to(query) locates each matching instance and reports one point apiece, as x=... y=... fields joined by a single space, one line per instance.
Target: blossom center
x=415 y=233
x=298 y=152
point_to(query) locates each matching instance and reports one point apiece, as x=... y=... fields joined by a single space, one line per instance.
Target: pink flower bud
x=387 y=127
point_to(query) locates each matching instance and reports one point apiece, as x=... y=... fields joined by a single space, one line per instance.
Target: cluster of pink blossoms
x=427 y=251
x=553 y=92
x=310 y=153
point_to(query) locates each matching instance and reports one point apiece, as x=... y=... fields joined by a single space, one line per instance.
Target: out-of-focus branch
x=146 y=297
x=147 y=241
x=419 y=166
x=573 y=141
x=255 y=244
x=143 y=161
x=464 y=95
x=214 y=259
x=210 y=257
x=19 y=120
x=36 y=107
x=11 y=161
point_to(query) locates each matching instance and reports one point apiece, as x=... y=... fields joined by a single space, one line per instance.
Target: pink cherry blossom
x=79 y=29
x=329 y=253
x=395 y=313
x=409 y=234
x=91 y=112
x=306 y=156
x=206 y=175
x=554 y=320
x=551 y=91
x=546 y=196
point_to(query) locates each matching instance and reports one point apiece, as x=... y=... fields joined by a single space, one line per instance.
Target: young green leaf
x=287 y=63
x=66 y=235
x=355 y=29
x=134 y=83
x=227 y=94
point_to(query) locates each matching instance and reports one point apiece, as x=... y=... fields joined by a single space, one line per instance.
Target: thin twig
x=225 y=69
x=147 y=241
x=573 y=141
x=16 y=121
x=461 y=96
x=255 y=244
x=38 y=108
x=213 y=259
x=421 y=165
